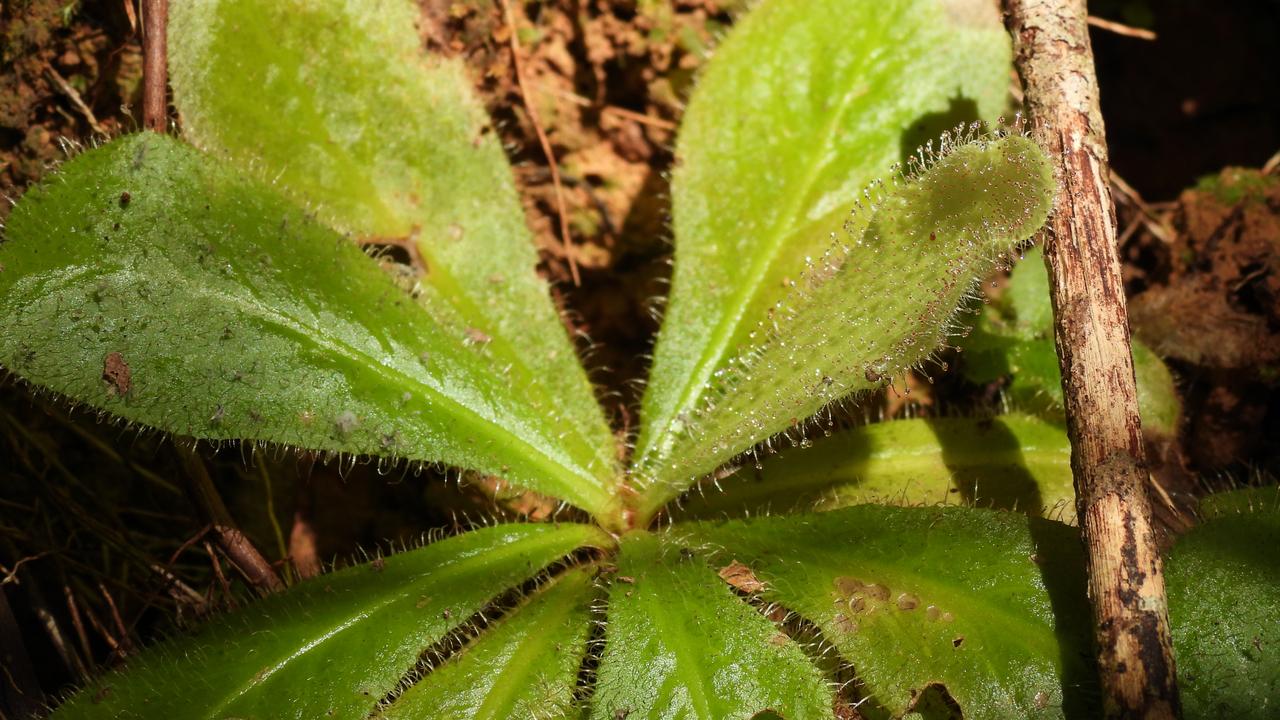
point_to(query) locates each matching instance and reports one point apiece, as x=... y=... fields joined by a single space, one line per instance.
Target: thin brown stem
x=553 y=165
x=155 y=73
x=126 y=646
x=73 y=609
x=230 y=538
x=74 y=96
x=1126 y=577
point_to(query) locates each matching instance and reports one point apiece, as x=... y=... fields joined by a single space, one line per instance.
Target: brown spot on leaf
x=115 y=371
x=741 y=577
x=847 y=586
x=907 y=601
x=846 y=624
x=877 y=591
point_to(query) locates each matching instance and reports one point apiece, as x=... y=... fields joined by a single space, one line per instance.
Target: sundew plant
x=213 y=286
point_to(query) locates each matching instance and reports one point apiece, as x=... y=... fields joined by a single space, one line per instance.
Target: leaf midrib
x=450 y=290
x=267 y=313
x=516 y=672
x=440 y=575
x=696 y=382
x=686 y=657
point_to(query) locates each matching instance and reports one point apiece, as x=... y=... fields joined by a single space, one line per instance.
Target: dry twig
x=621 y=112
x=230 y=538
x=74 y=96
x=1126 y=577
x=1148 y=217
x=10 y=575
x=531 y=106
x=1121 y=29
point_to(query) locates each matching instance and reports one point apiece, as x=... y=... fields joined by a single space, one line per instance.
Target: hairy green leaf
x=526 y=667
x=870 y=308
x=802 y=106
x=988 y=604
x=157 y=284
x=1012 y=462
x=332 y=646
x=1014 y=338
x=1223 y=582
x=679 y=644
x=335 y=102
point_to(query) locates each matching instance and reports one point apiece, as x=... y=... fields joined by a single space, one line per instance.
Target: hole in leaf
x=393 y=252
x=396 y=255
x=935 y=703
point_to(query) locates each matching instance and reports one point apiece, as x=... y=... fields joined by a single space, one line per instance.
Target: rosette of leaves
x=214 y=287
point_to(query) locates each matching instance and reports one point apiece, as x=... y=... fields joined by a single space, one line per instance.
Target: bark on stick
x=1126 y=577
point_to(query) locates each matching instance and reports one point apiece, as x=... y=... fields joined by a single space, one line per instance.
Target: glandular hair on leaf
x=878 y=303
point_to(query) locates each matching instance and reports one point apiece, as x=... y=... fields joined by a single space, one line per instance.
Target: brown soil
x=67 y=75
x=1210 y=302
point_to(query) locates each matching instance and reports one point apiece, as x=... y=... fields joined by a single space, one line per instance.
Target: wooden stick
x=155 y=72
x=230 y=537
x=1126 y=577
